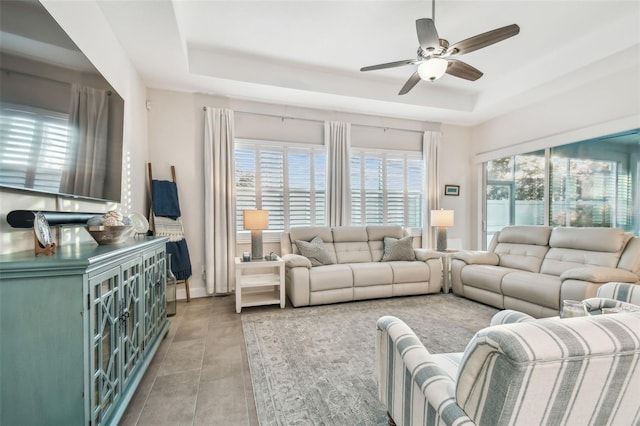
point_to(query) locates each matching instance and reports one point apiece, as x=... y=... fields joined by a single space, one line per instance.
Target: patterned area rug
x=316 y=365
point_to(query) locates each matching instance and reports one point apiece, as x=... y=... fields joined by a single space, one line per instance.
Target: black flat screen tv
x=61 y=122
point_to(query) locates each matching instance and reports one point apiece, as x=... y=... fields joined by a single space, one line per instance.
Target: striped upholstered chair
x=576 y=371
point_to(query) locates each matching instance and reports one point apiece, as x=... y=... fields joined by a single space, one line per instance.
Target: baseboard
x=181 y=294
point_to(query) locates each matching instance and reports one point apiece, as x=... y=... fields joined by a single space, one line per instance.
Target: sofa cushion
x=525 y=234
x=398 y=249
x=559 y=260
x=527 y=257
x=349 y=234
x=378 y=232
x=376 y=235
x=409 y=272
x=486 y=277
x=330 y=277
x=537 y=288
x=316 y=251
x=352 y=252
x=599 y=274
x=630 y=259
x=370 y=274
x=611 y=240
x=350 y=243
x=306 y=233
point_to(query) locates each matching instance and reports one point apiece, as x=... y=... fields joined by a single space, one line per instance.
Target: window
x=286 y=179
x=31 y=136
x=590 y=183
x=386 y=188
x=515 y=191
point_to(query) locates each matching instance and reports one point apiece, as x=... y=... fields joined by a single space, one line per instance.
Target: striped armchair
x=577 y=371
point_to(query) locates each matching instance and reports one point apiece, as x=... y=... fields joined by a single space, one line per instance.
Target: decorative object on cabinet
x=442 y=219
x=24 y=219
x=104 y=235
x=43 y=240
x=78 y=330
x=452 y=190
x=256 y=221
x=166 y=221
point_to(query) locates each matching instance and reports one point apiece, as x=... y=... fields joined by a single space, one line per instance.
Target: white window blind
x=386 y=188
x=286 y=179
x=34 y=147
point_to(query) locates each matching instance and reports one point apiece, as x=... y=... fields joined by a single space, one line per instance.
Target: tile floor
x=200 y=374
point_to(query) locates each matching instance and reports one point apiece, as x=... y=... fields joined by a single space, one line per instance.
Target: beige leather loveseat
x=533 y=268
x=355 y=269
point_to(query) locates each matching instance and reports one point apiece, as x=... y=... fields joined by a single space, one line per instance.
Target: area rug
x=316 y=365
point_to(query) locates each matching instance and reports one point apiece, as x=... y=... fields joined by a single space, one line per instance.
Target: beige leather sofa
x=533 y=268
x=357 y=272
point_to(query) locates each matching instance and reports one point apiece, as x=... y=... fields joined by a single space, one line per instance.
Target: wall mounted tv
x=61 y=122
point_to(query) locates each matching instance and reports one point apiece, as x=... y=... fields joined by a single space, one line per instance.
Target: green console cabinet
x=78 y=330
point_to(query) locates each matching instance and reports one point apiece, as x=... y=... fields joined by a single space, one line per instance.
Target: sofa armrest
x=397 y=344
x=477 y=257
x=425 y=254
x=599 y=274
x=596 y=304
x=296 y=261
x=509 y=316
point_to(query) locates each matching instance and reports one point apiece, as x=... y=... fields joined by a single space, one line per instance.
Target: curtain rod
x=283 y=117
x=53 y=80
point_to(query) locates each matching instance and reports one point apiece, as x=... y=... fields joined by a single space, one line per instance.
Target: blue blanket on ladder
x=180 y=261
x=165 y=199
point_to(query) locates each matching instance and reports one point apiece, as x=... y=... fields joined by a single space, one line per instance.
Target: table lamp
x=442 y=219
x=256 y=221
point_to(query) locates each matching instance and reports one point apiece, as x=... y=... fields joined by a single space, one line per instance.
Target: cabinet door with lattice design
x=106 y=313
x=154 y=294
x=131 y=321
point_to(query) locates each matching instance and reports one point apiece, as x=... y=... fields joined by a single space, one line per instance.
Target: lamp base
x=256 y=244
x=441 y=241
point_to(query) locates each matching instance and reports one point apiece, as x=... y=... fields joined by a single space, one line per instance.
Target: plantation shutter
x=271 y=186
x=286 y=179
x=31 y=136
x=386 y=188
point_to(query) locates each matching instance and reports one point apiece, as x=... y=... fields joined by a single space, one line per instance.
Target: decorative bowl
x=110 y=234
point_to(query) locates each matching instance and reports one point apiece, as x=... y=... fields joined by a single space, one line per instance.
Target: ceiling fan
x=435 y=54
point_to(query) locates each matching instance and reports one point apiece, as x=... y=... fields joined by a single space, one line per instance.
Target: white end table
x=259 y=282
x=446 y=256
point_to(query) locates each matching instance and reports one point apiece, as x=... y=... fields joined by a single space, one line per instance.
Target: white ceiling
x=308 y=53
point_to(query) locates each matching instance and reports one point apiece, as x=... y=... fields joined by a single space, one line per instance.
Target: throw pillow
x=398 y=249
x=315 y=251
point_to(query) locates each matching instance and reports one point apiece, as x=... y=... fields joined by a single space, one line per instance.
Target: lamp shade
x=432 y=69
x=442 y=218
x=255 y=219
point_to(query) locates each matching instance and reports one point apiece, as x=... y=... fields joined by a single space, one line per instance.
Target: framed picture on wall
x=452 y=190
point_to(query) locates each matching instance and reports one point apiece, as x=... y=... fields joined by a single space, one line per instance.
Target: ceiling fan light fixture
x=432 y=69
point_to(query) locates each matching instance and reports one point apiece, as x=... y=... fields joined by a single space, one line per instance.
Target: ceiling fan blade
x=388 y=65
x=427 y=34
x=413 y=80
x=484 y=40
x=463 y=70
